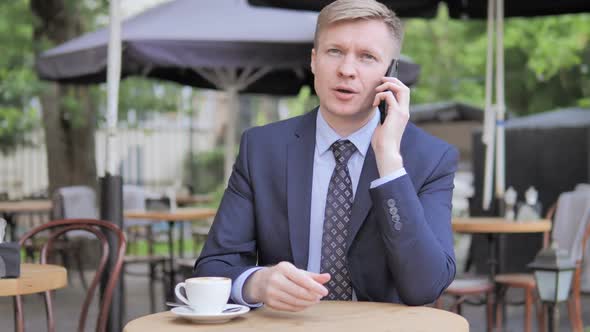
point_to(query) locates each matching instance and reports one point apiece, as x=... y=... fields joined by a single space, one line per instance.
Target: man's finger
x=296 y=291
x=301 y=278
x=321 y=278
x=280 y=305
x=387 y=97
x=285 y=296
x=390 y=86
x=402 y=92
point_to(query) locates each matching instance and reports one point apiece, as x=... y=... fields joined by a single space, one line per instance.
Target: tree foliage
x=18 y=81
x=547 y=64
x=546 y=60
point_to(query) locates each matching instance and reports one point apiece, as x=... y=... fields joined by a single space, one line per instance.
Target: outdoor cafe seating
x=570 y=217
x=98 y=229
x=571 y=231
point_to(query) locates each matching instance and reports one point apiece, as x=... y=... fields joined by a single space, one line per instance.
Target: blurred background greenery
x=547 y=67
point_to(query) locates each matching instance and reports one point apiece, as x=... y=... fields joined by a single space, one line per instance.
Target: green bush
x=207 y=170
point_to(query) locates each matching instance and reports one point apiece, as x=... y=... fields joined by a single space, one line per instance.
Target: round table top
x=33 y=205
x=325 y=316
x=182 y=214
x=499 y=225
x=34 y=278
x=193 y=199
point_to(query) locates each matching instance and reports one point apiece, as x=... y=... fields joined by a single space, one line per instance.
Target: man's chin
x=347 y=111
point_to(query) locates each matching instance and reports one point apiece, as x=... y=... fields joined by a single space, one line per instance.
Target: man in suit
x=333 y=204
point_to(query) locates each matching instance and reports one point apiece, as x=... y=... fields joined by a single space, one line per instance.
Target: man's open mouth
x=345 y=90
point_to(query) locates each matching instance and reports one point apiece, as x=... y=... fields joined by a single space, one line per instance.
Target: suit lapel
x=300 y=153
x=362 y=200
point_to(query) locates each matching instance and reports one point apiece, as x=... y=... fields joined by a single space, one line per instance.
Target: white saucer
x=187 y=313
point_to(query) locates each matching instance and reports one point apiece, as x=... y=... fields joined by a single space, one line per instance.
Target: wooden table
x=182 y=214
x=183 y=200
x=178 y=215
x=325 y=316
x=499 y=225
x=9 y=209
x=494 y=227
x=34 y=278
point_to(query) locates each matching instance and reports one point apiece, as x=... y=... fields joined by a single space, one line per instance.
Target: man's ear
x=313 y=60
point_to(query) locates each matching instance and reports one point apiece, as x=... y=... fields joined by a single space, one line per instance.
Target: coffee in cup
x=205 y=295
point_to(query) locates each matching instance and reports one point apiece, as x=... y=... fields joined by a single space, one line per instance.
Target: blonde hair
x=352 y=10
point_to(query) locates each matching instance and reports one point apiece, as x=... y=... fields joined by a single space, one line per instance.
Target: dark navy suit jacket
x=401 y=255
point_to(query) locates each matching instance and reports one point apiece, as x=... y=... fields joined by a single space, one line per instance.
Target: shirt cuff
x=389 y=177
x=237 y=287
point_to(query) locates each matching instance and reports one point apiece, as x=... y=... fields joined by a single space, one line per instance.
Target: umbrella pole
x=111 y=185
x=488 y=137
x=501 y=105
x=230 y=131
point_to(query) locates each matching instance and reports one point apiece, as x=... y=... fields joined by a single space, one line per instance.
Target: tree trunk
x=69 y=140
x=69 y=114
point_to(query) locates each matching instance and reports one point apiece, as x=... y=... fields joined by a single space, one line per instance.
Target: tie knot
x=343 y=150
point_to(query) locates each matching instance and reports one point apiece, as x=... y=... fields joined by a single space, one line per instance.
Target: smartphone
x=391 y=72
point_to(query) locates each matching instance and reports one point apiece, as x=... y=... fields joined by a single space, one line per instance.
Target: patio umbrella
x=520 y=8
x=223 y=44
x=457 y=8
x=403 y=8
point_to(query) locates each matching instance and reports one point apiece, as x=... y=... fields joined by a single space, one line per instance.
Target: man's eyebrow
x=334 y=44
x=370 y=49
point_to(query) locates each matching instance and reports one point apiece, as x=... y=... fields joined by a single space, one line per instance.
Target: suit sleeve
x=230 y=248
x=416 y=230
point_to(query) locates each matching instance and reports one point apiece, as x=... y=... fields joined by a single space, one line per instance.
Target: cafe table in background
x=9 y=210
x=493 y=228
x=178 y=215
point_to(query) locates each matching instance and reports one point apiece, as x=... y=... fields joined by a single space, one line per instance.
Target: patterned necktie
x=337 y=215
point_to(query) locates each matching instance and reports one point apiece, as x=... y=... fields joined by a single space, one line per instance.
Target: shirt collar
x=326 y=136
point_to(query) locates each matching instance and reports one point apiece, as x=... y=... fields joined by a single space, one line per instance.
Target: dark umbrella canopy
x=177 y=40
x=457 y=8
x=403 y=8
x=517 y=8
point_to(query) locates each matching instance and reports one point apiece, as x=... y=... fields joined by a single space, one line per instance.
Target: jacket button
x=393 y=210
x=397 y=226
x=391 y=202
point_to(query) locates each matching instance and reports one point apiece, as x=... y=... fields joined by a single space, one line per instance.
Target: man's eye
x=334 y=51
x=367 y=56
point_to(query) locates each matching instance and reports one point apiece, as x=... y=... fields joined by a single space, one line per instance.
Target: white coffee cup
x=205 y=295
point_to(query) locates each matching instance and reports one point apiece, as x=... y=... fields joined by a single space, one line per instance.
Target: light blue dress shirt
x=323 y=166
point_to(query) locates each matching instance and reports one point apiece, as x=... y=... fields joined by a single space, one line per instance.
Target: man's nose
x=347 y=67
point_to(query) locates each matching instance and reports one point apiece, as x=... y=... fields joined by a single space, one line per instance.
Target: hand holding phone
x=391 y=72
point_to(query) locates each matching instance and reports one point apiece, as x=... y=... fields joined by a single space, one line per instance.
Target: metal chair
x=467 y=289
x=101 y=230
x=134 y=198
x=74 y=202
x=471 y=289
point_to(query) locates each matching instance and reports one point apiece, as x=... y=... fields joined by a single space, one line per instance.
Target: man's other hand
x=285 y=287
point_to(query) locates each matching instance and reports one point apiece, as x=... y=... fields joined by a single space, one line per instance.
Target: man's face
x=348 y=62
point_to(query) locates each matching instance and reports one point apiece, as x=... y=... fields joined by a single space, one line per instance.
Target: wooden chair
x=528 y=284
x=470 y=287
x=100 y=229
